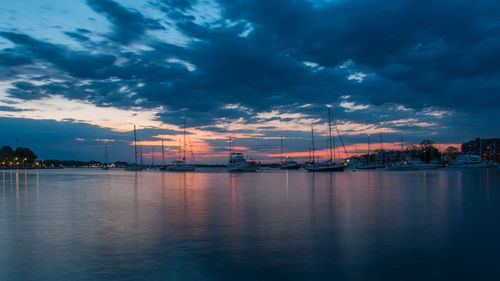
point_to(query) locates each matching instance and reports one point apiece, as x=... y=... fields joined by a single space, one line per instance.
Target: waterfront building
x=488 y=149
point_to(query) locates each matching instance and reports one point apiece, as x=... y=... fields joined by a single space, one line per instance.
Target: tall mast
x=162 y=152
x=369 y=150
x=330 y=133
x=106 y=152
x=179 y=155
x=402 y=154
x=152 y=155
x=135 y=146
x=312 y=140
x=281 y=151
x=381 y=151
x=142 y=160
x=184 y=157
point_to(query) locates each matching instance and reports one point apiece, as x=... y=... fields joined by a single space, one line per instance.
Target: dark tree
x=6 y=155
x=25 y=155
x=428 y=151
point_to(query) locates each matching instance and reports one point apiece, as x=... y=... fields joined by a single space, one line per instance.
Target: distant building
x=489 y=149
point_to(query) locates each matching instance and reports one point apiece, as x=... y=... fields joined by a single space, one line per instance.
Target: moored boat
x=286 y=162
x=401 y=166
x=238 y=163
x=290 y=165
x=328 y=165
x=134 y=167
x=180 y=165
x=421 y=165
x=325 y=166
x=367 y=166
x=469 y=161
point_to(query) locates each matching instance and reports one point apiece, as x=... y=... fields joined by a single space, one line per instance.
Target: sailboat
x=180 y=165
x=403 y=165
x=328 y=165
x=105 y=166
x=368 y=165
x=163 y=166
x=134 y=167
x=238 y=162
x=286 y=162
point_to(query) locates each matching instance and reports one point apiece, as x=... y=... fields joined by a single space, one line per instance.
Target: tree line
x=22 y=156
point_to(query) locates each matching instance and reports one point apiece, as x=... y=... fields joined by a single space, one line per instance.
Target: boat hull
x=428 y=167
x=472 y=166
x=290 y=167
x=326 y=169
x=183 y=168
x=402 y=169
x=367 y=167
x=133 y=168
x=239 y=168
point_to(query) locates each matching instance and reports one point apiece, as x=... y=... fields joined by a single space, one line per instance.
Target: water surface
x=84 y=224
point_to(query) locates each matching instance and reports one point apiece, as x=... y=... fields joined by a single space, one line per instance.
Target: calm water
x=115 y=225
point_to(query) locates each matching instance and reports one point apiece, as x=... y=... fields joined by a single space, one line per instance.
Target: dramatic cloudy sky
x=74 y=74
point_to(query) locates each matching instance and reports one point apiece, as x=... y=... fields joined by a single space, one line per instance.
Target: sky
x=77 y=74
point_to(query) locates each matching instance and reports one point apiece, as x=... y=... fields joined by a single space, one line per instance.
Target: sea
x=92 y=224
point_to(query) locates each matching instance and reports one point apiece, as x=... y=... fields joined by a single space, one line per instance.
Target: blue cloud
x=442 y=56
x=129 y=25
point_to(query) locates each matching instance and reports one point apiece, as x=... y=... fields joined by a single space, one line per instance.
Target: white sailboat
x=180 y=165
x=286 y=162
x=328 y=165
x=134 y=167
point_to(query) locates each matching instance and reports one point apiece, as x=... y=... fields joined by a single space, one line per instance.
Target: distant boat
x=286 y=162
x=238 y=162
x=421 y=165
x=290 y=165
x=325 y=166
x=469 y=161
x=328 y=165
x=180 y=165
x=367 y=165
x=134 y=167
x=401 y=166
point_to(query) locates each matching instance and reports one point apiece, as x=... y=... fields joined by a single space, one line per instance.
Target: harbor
x=90 y=224
x=215 y=140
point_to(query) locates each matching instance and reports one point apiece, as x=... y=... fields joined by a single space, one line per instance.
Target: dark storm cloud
x=26 y=91
x=8 y=57
x=76 y=63
x=77 y=36
x=428 y=46
x=10 y=108
x=420 y=54
x=129 y=25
